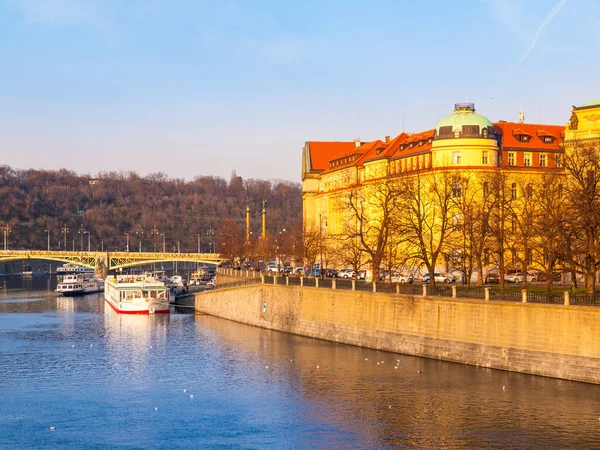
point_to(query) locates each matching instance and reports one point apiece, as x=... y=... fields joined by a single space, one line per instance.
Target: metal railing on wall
x=484 y=293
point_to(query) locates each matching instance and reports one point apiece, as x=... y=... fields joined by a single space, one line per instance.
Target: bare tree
x=550 y=225
x=426 y=213
x=582 y=170
x=372 y=211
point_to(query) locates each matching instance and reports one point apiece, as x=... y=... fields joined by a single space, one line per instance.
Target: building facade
x=464 y=196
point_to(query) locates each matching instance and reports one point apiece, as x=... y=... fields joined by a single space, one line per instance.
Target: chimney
x=357 y=142
x=387 y=139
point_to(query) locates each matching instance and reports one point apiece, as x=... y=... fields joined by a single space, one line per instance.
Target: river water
x=74 y=374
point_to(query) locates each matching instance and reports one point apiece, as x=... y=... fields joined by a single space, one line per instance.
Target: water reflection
x=421 y=403
x=132 y=338
x=106 y=380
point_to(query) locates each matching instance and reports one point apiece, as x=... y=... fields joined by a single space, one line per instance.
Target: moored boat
x=137 y=294
x=73 y=285
x=74 y=268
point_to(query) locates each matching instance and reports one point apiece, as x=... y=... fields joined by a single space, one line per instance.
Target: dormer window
x=429 y=141
x=548 y=139
x=412 y=144
x=403 y=146
x=523 y=138
x=421 y=143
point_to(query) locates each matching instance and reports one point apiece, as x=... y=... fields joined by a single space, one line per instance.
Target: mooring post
x=301 y=281
x=453 y=291
x=567 y=299
x=287 y=281
x=333 y=283
x=486 y=291
x=524 y=294
x=316 y=281
x=374 y=286
x=424 y=290
x=397 y=288
x=353 y=285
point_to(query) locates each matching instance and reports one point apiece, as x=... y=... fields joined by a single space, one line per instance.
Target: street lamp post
x=139 y=233
x=198 y=236
x=48 y=231
x=211 y=234
x=6 y=231
x=164 y=246
x=127 y=248
x=89 y=240
x=154 y=233
x=65 y=231
x=81 y=233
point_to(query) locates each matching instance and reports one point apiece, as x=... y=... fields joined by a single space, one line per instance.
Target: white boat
x=74 y=268
x=138 y=294
x=77 y=284
x=177 y=284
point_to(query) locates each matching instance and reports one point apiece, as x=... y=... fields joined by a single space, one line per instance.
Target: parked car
x=346 y=273
x=516 y=276
x=361 y=274
x=273 y=267
x=439 y=278
x=330 y=273
x=401 y=278
x=492 y=278
x=556 y=277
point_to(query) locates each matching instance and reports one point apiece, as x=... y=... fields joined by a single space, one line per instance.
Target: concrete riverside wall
x=550 y=340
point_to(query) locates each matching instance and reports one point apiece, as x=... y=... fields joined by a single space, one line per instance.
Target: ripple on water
x=185 y=381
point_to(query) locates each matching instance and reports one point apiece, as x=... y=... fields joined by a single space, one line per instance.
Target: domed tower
x=464 y=138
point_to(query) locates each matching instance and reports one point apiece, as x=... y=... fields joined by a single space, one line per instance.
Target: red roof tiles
x=510 y=133
x=323 y=152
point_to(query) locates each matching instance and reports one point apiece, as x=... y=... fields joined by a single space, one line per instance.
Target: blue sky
x=206 y=87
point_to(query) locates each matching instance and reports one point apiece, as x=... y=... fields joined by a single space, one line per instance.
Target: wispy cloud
x=551 y=15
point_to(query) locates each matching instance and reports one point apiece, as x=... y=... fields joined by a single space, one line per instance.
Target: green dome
x=464 y=115
x=592 y=103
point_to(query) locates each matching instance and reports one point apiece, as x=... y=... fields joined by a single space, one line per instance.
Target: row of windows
x=485 y=157
x=457 y=190
x=528 y=159
x=527 y=138
x=409 y=164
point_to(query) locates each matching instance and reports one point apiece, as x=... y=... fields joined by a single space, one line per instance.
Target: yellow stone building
x=465 y=159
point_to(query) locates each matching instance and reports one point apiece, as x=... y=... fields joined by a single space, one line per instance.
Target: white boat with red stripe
x=137 y=294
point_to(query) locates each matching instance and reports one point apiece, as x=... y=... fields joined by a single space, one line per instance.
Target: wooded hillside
x=109 y=205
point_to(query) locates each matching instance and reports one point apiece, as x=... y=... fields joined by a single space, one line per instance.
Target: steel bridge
x=109 y=260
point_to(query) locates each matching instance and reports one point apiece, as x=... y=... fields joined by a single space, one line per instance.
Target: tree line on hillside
x=61 y=209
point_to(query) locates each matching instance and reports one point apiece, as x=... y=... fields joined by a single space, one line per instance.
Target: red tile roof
x=355 y=156
x=510 y=131
x=403 y=147
x=323 y=152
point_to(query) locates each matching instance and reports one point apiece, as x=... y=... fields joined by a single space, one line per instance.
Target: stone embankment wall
x=550 y=340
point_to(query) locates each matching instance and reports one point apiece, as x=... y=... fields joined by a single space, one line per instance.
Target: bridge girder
x=112 y=260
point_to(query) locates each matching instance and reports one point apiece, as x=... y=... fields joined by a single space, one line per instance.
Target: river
x=74 y=374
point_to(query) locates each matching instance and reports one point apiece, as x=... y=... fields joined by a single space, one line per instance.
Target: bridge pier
x=101 y=269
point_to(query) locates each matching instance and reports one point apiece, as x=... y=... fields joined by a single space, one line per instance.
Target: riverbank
x=550 y=340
